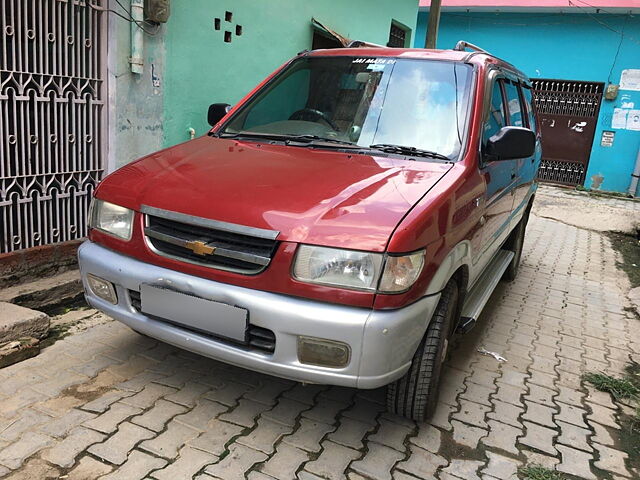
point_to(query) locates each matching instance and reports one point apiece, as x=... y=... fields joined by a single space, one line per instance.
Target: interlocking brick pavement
x=108 y=402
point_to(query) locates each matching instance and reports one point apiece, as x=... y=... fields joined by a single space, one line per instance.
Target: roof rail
x=360 y=44
x=461 y=46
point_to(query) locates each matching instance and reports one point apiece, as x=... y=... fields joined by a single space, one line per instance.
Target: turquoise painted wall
x=202 y=69
x=563 y=46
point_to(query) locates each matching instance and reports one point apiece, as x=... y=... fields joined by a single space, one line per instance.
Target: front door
x=500 y=176
x=518 y=117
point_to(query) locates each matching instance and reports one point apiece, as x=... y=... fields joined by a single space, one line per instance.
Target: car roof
x=474 y=58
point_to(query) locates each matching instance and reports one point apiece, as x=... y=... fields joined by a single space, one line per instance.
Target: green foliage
x=624 y=388
x=538 y=472
x=618 y=387
x=628 y=247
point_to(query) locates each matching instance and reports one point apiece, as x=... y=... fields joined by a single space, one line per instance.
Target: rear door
x=500 y=176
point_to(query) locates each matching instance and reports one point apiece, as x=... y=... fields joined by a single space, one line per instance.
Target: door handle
x=513 y=175
x=482 y=220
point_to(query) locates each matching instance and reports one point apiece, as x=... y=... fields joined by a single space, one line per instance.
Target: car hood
x=310 y=195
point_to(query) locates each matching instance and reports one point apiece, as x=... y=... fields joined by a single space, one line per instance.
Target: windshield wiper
x=267 y=136
x=304 y=138
x=411 y=151
x=308 y=138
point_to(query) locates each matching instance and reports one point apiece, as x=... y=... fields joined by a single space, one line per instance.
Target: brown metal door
x=567 y=111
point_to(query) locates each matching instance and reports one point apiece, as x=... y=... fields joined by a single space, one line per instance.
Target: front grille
x=134 y=298
x=258 y=338
x=208 y=242
x=262 y=338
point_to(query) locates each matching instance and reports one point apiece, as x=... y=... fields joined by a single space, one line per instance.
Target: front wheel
x=415 y=395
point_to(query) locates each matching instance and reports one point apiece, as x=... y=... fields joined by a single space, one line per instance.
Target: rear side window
x=513 y=101
x=528 y=101
x=496 y=118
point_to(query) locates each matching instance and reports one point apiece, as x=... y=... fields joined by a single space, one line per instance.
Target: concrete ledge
x=33 y=263
x=45 y=292
x=14 y=352
x=18 y=322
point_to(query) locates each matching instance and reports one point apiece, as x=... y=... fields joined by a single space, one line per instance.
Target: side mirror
x=216 y=112
x=510 y=143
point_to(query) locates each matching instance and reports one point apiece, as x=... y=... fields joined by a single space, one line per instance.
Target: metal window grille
x=566 y=173
x=557 y=97
x=397 y=36
x=52 y=65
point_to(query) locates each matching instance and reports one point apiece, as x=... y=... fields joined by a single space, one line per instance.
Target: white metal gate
x=52 y=69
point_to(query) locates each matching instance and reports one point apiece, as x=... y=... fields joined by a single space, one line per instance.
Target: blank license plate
x=206 y=315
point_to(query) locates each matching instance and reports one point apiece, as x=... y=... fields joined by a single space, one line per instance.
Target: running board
x=482 y=290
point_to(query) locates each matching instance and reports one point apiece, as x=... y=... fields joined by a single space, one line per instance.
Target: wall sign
x=619 y=119
x=630 y=79
x=633 y=120
x=607 y=138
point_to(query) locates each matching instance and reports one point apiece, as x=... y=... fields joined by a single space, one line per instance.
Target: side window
x=528 y=101
x=515 y=110
x=496 y=117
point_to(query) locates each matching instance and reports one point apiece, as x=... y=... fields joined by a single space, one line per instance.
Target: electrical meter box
x=611 y=92
x=156 y=11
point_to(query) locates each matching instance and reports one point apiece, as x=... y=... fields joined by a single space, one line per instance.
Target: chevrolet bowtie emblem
x=200 y=248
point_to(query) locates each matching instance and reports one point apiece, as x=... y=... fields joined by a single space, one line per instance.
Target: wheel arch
x=456 y=266
x=531 y=199
x=461 y=276
x=456 y=263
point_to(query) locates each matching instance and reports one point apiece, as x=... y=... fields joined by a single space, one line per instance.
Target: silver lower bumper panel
x=382 y=342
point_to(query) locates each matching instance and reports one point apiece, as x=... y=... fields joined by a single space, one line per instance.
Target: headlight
x=341 y=268
x=112 y=219
x=357 y=270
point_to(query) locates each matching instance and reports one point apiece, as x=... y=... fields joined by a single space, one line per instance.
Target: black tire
x=515 y=243
x=415 y=395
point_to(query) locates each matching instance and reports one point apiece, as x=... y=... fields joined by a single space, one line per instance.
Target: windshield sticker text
x=376 y=61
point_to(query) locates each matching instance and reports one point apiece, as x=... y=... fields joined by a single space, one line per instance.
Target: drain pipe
x=634 y=177
x=137 y=36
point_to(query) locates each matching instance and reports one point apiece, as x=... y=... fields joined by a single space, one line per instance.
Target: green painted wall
x=200 y=68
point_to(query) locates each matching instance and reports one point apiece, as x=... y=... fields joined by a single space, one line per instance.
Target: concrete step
x=20 y=332
x=19 y=350
x=18 y=322
x=46 y=293
x=31 y=264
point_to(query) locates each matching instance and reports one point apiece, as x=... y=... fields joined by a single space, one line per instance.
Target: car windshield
x=366 y=101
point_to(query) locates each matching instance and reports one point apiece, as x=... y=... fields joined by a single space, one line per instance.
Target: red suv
x=336 y=226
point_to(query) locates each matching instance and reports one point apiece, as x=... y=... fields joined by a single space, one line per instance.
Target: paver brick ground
x=107 y=401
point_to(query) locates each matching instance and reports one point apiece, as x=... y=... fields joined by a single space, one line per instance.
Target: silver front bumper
x=382 y=341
